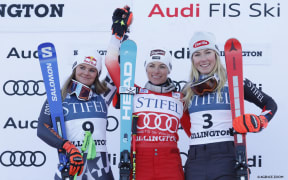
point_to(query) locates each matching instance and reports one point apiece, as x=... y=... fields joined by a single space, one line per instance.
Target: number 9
x=88 y=126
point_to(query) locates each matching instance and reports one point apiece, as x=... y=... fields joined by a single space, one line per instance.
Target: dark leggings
x=214 y=161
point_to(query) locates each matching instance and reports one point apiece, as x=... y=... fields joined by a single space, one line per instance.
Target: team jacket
x=159 y=113
x=79 y=116
x=209 y=120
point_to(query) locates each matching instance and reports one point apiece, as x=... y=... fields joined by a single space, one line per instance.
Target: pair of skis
x=234 y=67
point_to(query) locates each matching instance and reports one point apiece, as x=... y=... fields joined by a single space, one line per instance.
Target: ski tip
x=128 y=46
x=129 y=43
x=46 y=44
x=232 y=39
x=232 y=44
x=46 y=50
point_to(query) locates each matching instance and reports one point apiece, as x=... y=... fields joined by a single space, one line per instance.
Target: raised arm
x=111 y=60
x=122 y=18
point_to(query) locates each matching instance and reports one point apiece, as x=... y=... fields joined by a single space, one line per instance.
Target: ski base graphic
x=49 y=67
x=234 y=66
x=128 y=52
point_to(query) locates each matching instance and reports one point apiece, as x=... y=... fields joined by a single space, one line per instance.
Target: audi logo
x=179 y=85
x=112 y=123
x=156 y=121
x=19 y=158
x=22 y=87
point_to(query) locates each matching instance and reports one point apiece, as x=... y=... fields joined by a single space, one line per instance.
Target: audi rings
x=19 y=158
x=22 y=87
x=179 y=85
x=162 y=122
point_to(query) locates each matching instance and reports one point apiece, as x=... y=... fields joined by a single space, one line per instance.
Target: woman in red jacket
x=159 y=108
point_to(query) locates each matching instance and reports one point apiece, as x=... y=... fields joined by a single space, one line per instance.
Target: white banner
x=260 y=27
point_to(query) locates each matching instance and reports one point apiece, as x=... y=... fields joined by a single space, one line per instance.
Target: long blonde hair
x=99 y=87
x=194 y=76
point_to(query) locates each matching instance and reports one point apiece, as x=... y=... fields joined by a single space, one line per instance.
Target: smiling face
x=86 y=74
x=157 y=72
x=204 y=60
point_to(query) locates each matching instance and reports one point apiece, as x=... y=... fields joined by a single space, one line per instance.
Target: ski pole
x=134 y=133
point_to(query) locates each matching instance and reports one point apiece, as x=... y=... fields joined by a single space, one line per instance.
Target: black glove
x=122 y=18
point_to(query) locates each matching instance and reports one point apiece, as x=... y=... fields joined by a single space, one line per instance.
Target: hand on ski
x=249 y=123
x=122 y=18
x=75 y=159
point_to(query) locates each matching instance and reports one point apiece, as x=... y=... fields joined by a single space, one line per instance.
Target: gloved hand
x=75 y=158
x=122 y=18
x=249 y=123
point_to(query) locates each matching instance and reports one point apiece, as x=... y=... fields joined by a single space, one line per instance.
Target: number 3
x=207 y=119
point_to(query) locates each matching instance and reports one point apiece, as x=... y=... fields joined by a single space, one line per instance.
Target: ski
x=49 y=68
x=128 y=51
x=234 y=66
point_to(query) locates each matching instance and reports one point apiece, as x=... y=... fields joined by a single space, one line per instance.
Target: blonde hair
x=194 y=76
x=99 y=87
